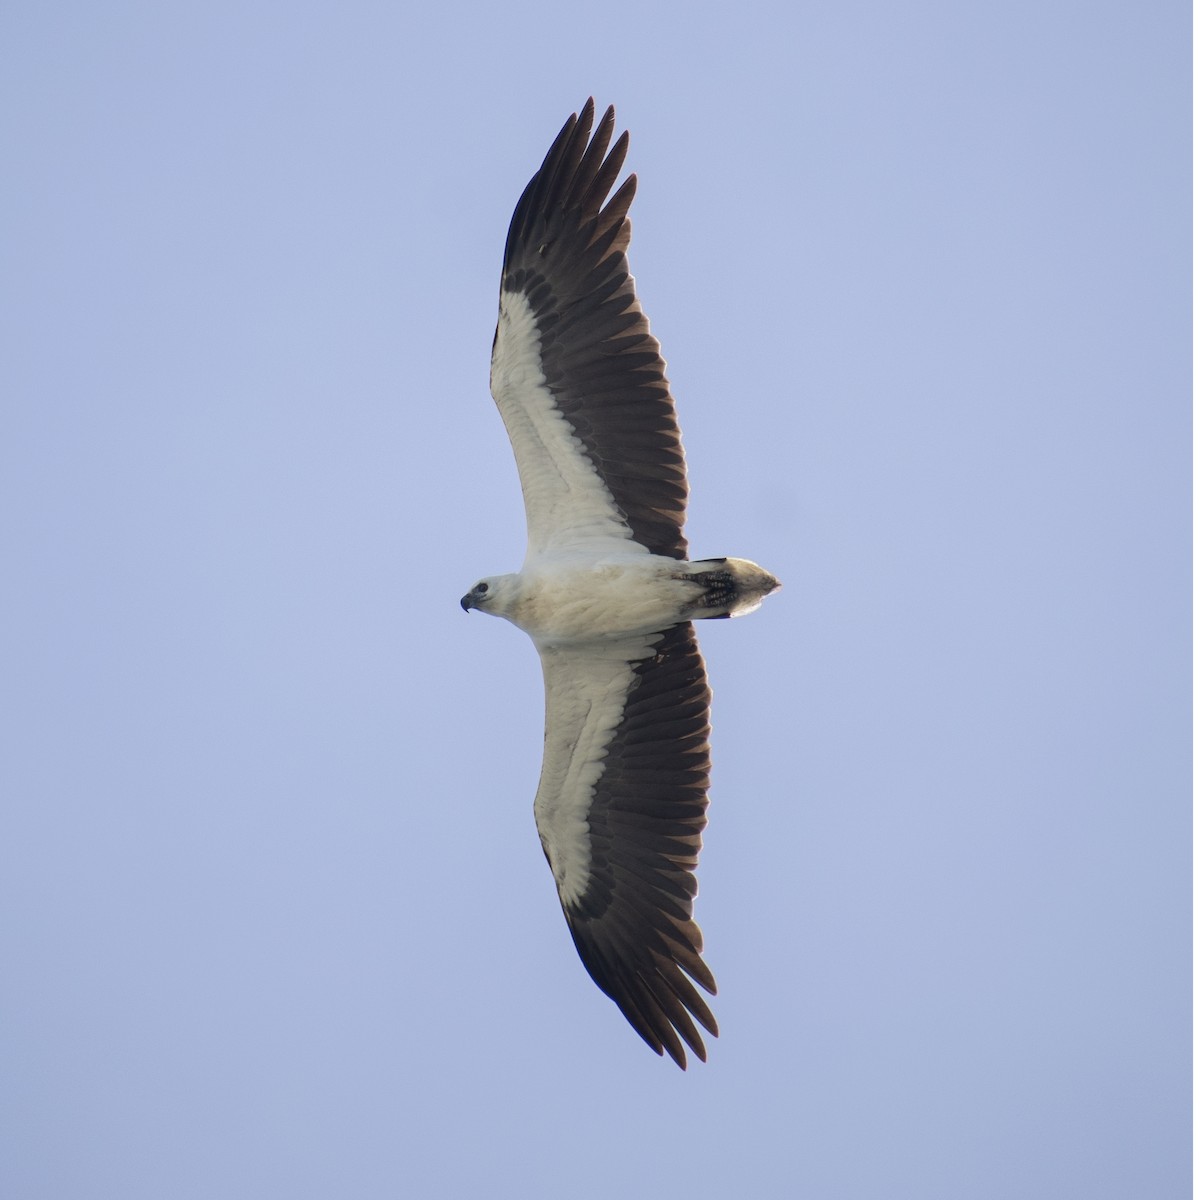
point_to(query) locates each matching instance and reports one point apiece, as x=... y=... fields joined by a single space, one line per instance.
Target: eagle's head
x=495 y=594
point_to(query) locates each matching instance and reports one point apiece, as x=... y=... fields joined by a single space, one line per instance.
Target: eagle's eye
x=481 y=589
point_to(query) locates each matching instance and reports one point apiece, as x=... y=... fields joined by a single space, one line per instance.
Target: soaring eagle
x=607 y=592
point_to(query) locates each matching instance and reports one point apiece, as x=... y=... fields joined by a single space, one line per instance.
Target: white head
x=497 y=594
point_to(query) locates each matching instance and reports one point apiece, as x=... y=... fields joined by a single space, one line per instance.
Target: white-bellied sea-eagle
x=607 y=592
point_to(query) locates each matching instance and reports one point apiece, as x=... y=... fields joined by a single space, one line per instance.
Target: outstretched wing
x=576 y=373
x=620 y=810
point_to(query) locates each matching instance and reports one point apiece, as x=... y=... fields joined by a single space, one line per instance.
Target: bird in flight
x=606 y=591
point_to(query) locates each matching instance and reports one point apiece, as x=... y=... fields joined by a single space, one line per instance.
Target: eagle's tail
x=730 y=587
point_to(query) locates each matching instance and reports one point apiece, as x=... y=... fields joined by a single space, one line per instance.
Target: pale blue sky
x=275 y=917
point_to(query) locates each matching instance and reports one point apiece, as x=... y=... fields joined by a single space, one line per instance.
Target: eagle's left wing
x=576 y=373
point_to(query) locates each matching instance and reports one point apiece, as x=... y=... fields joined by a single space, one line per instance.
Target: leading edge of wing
x=621 y=823
x=589 y=341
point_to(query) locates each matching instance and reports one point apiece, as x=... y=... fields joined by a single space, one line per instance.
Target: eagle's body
x=574 y=600
x=606 y=591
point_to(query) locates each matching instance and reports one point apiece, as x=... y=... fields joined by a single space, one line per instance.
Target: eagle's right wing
x=620 y=810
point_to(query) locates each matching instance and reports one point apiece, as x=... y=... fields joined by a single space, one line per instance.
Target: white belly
x=607 y=600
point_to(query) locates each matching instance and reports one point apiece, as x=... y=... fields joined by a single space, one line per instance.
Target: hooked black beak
x=466 y=603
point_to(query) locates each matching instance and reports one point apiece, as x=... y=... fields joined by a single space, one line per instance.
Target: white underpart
x=568 y=509
x=586 y=689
